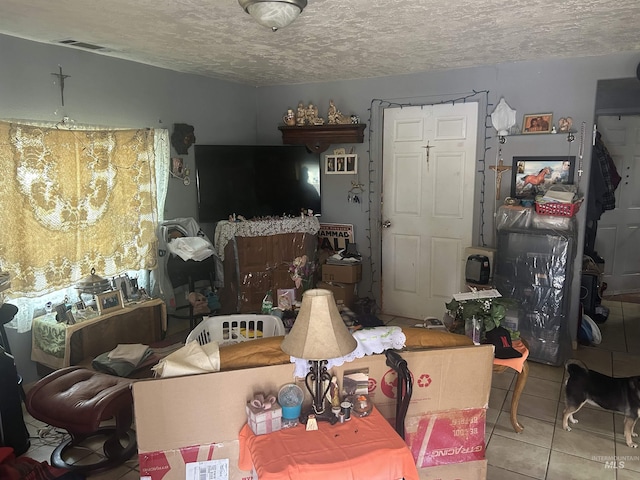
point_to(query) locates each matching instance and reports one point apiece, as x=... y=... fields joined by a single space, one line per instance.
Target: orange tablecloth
x=515 y=363
x=361 y=449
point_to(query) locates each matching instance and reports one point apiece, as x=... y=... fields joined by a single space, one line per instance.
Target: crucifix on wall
x=61 y=78
x=500 y=168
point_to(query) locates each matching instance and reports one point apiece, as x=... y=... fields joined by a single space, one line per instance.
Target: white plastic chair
x=226 y=329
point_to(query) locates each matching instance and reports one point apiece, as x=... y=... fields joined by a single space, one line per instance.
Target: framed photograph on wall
x=341 y=164
x=532 y=176
x=537 y=123
x=109 y=301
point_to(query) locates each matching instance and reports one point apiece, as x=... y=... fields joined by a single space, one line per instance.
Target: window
x=72 y=200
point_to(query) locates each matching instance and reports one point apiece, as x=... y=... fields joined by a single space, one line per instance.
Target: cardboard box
x=442 y=438
x=264 y=421
x=342 y=273
x=176 y=463
x=181 y=421
x=456 y=471
x=342 y=292
x=444 y=380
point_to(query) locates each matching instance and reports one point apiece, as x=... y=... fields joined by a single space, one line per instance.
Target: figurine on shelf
x=289 y=118
x=565 y=124
x=334 y=116
x=312 y=117
x=301 y=115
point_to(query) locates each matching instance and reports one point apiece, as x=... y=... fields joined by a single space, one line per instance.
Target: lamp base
x=320 y=417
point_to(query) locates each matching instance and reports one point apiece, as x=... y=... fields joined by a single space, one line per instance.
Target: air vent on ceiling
x=87 y=46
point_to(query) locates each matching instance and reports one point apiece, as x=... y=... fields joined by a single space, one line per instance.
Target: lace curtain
x=73 y=200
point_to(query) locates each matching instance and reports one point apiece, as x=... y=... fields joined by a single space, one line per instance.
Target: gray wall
x=564 y=87
x=106 y=91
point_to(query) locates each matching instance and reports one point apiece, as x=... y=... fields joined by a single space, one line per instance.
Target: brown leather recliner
x=79 y=400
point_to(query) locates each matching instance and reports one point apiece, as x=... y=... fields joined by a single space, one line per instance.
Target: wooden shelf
x=570 y=135
x=318 y=138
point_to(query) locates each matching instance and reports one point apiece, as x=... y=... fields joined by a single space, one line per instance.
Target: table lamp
x=319 y=333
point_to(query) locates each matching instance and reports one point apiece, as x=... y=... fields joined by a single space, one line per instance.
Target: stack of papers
x=559 y=194
x=477 y=295
x=558 y=197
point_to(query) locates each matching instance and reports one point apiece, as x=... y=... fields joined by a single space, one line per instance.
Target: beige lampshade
x=319 y=333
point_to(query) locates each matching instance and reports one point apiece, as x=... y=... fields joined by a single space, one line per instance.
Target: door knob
x=386 y=224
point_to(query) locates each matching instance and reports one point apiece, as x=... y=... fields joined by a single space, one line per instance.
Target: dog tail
x=574 y=366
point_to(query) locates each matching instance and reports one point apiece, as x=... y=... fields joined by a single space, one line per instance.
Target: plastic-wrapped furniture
x=226 y=329
x=534 y=261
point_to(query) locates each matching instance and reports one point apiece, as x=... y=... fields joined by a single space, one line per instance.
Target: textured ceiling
x=332 y=39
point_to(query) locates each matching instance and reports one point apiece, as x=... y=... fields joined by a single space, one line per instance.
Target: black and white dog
x=621 y=395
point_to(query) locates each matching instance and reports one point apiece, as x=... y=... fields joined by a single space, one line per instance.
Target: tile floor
x=543 y=450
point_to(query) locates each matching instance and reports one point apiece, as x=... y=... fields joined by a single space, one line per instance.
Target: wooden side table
x=499 y=366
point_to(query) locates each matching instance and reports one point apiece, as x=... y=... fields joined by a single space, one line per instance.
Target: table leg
x=521 y=379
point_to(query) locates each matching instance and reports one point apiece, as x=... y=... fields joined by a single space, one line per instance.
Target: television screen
x=256 y=181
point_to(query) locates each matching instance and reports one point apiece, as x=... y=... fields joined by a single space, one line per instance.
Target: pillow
x=267 y=351
x=419 y=337
x=253 y=353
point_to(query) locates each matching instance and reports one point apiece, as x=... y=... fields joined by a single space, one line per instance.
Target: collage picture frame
x=346 y=163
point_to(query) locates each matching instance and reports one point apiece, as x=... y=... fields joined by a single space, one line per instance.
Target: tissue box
x=264 y=421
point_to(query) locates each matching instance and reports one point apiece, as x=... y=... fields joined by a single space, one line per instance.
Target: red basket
x=558 y=209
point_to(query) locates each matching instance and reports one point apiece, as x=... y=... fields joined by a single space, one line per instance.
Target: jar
x=362 y=405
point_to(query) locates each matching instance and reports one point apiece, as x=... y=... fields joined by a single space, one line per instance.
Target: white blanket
x=189 y=360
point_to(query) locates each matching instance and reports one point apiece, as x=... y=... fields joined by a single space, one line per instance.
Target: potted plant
x=488 y=313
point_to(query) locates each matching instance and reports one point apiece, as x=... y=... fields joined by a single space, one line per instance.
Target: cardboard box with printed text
x=184 y=422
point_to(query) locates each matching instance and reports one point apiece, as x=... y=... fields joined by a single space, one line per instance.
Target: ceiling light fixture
x=274 y=14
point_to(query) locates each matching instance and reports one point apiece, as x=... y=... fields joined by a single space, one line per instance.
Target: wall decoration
x=537 y=123
x=532 y=176
x=182 y=138
x=109 y=301
x=179 y=170
x=341 y=164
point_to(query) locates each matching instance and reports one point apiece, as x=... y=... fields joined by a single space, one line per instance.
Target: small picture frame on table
x=123 y=283
x=108 y=302
x=345 y=163
x=61 y=312
x=63 y=315
x=537 y=123
x=286 y=298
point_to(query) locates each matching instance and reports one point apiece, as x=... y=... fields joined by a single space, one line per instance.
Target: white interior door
x=428 y=189
x=618 y=233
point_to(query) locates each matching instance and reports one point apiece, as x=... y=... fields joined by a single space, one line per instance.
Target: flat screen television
x=256 y=181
